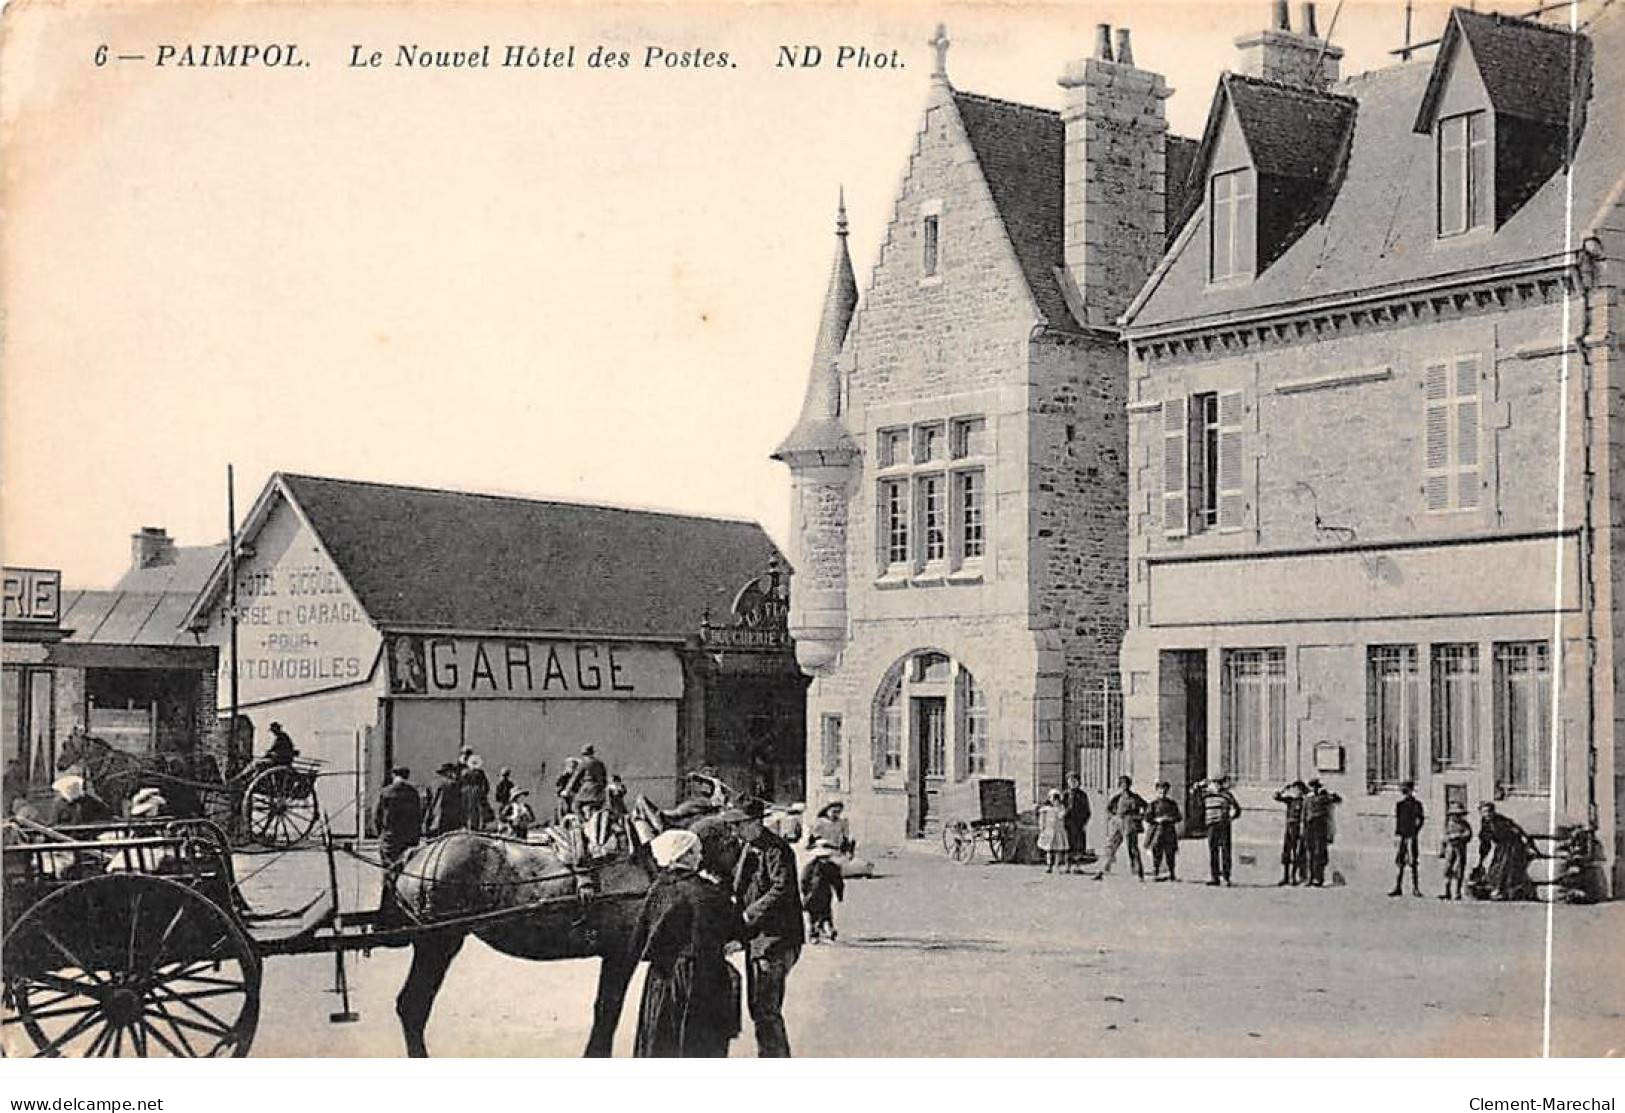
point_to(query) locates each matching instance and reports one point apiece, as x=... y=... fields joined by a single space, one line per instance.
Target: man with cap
x=398 y=816
x=588 y=784
x=281 y=751
x=1408 y=820
x=1292 y=863
x=770 y=904
x=1219 y=810
x=1317 y=829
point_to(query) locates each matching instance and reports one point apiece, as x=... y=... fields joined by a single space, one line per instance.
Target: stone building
x=959 y=468
x=1375 y=435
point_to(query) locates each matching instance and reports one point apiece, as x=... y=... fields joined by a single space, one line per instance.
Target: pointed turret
x=819 y=433
x=820 y=456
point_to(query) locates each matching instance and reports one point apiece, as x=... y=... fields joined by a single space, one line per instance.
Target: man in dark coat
x=1076 y=803
x=770 y=904
x=588 y=784
x=1292 y=858
x=446 y=805
x=1408 y=820
x=398 y=816
x=1317 y=829
x=281 y=751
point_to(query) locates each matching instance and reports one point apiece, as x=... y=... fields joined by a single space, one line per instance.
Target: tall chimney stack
x=1280 y=54
x=150 y=547
x=1115 y=171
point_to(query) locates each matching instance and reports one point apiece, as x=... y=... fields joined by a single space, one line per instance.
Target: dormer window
x=1464 y=174
x=1233 y=205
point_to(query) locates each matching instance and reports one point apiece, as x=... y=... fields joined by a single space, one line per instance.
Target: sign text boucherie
x=33 y=595
x=523 y=668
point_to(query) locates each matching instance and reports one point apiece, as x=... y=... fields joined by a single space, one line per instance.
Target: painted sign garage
x=511 y=668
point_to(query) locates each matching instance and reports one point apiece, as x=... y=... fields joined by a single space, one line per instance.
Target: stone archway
x=929 y=734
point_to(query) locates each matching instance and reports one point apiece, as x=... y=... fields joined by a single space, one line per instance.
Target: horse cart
x=135 y=938
x=995 y=827
x=267 y=804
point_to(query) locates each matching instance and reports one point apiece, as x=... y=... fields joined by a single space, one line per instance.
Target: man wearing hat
x=1317 y=829
x=1408 y=820
x=1219 y=809
x=446 y=804
x=398 y=816
x=281 y=751
x=770 y=904
x=588 y=784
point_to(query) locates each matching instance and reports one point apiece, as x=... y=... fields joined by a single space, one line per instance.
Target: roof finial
x=939 y=42
x=840 y=212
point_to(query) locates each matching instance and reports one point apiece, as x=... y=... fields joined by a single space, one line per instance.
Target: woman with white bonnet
x=689 y=1007
x=148 y=803
x=74 y=804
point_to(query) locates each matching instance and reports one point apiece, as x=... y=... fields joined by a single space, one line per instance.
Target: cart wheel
x=1001 y=842
x=126 y=964
x=959 y=840
x=279 y=806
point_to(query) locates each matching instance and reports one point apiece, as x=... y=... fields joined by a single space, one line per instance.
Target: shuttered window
x=1452 y=479
x=1175 y=478
x=1232 y=497
x=829 y=748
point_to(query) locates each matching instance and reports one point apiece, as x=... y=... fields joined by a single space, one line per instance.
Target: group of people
x=694 y=913
x=1502 y=872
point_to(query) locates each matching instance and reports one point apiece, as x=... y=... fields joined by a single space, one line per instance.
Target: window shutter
x=1466 y=455
x=961 y=758
x=1436 y=481
x=1232 y=496
x=877 y=746
x=1176 y=520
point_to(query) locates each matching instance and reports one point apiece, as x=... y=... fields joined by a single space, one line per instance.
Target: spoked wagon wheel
x=279 y=806
x=959 y=840
x=126 y=964
x=1001 y=842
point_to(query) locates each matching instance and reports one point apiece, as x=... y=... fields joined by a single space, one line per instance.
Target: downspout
x=1585 y=272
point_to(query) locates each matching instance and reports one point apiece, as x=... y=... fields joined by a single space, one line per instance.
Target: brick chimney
x=151 y=547
x=1301 y=57
x=1115 y=168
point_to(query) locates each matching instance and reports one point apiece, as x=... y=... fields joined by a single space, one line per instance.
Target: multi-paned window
x=973 y=724
x=1204 y=463
x=969 y=500
x=931 y=501
x=1253 y=714
x=1523 y=708
x=1451 y=449
x=829 y=745
x=888 y=728
x=1463 y=173
x=1232 y=225
x=1392 y=703
x=894 y=520
x=1455 y=701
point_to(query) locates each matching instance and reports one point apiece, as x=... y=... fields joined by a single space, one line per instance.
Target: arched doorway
x=930 y=733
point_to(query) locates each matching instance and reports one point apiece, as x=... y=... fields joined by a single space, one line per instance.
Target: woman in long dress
x=1506 y=846
x=689 y=1008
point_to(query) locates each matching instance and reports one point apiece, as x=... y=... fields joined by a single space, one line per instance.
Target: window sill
x=932 y=575
x=966 y=574
x=830 y=781
x=889 y=580
x=890 y=787
x=931 y=280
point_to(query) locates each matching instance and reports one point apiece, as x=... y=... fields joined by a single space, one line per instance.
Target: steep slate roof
x=819 y=430
x=1293 y=133
x=1379 y=229
x=1526 y=74
x=1022 y=152
x=427 y=559
x=1181 y=160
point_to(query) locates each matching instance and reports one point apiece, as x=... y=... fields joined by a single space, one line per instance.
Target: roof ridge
x=531 y=500
x=1006 y=103
x=1508 y=19
x=1281 y=86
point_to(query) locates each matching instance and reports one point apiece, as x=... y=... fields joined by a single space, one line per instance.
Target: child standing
x=1052 y=834
x=821 y=886
x=1458 y=833
x=1162 y=817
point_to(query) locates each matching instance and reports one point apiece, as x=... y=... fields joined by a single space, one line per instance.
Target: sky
x=565 y=283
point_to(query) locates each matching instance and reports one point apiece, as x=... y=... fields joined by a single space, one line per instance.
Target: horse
x=113 y=776
x=569 y=913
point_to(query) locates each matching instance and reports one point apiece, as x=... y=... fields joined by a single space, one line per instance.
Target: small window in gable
x=1464 y=181
x=1233 y=223
x=929 y=232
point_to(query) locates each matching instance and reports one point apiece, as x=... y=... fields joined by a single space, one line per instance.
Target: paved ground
x=939 y=959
